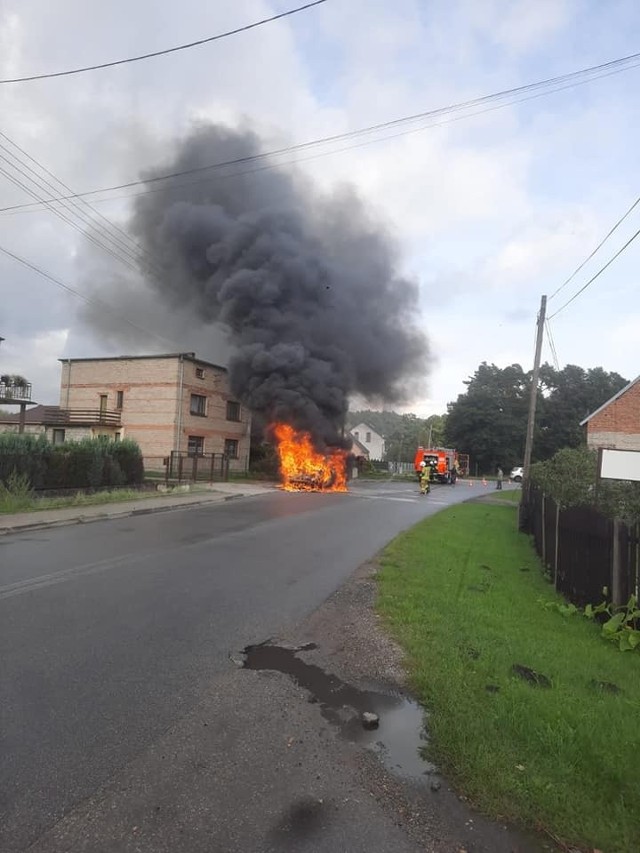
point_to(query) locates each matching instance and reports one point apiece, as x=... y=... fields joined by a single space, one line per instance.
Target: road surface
x=115 y=637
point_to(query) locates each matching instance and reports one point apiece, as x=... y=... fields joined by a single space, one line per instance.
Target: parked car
x=516 y=475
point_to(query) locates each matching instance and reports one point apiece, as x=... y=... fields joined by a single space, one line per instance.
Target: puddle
x=400 y=736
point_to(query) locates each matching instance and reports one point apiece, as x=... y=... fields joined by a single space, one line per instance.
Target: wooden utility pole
x=533 y=399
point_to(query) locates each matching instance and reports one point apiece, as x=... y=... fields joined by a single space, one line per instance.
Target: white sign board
x=620 y=464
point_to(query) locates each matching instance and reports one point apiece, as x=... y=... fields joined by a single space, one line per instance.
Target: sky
x=488 y=212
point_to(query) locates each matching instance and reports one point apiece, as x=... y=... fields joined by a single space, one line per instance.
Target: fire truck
x=446 y=464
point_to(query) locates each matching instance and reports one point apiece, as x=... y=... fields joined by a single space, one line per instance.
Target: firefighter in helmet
x=425 y=478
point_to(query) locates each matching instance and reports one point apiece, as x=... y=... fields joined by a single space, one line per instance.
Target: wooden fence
x=589 y=556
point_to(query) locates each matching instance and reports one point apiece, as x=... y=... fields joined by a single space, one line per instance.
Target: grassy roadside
x=512 y=495
x=461 y=594
x=12 y=503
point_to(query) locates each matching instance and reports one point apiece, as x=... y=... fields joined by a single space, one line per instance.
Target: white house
x=372 y=440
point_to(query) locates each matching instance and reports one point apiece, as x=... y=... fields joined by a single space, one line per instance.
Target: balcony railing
x=53 y=416
x=9 y=391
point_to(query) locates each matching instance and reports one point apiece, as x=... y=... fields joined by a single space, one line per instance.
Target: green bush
x=15 y=493
x=570 y=477
x=90 y=463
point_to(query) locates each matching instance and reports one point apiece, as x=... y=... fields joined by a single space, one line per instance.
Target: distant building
x=616 y=424
x=359 y=450
x=164 y=402
x=371 y=440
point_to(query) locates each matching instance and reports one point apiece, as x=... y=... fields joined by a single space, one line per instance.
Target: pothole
x=400 y=736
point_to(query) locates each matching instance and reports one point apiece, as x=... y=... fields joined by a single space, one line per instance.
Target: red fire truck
x=446 y=464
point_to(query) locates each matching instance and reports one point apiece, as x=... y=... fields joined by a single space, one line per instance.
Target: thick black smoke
x=305 y=283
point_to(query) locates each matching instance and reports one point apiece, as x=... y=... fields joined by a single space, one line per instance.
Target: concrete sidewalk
x=16 y=522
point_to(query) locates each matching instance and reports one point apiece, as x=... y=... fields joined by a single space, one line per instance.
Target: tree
x=489 y=420
x=403 y=433
x=569 y=396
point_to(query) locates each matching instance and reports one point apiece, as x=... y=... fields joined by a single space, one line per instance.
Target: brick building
x=164 y=402
x=616 y=424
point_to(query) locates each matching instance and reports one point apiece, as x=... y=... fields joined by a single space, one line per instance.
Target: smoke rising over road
x=306 y=283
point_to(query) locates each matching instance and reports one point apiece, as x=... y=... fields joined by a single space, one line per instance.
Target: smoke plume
x=305 y=283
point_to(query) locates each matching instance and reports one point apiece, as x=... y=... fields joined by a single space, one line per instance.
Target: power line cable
x=594 y=277
x=597 y=248
x=87 y=299
x=93 y=239
x=166 y=51
x=113 y=232
x=552 y=345
x=570 y=81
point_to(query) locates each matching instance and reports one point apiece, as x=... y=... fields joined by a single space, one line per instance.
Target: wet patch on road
x=400 y=737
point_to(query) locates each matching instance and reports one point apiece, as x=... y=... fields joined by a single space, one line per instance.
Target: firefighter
x=425 y=477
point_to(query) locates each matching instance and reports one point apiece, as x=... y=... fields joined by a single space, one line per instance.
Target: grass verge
x=12 y=503
x=512 y=495
x=461 y=594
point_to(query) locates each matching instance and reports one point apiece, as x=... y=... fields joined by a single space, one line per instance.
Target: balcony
x=53 y=416
x=15 y=392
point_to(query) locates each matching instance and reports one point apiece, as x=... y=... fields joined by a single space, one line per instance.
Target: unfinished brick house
x=616 y=424
x=164 y=402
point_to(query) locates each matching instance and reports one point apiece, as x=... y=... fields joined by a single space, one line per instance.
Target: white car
x=516 y=475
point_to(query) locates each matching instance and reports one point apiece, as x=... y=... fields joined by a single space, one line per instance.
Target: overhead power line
x=79 y=214
x=89 y=300
x=597 y=248
x=166 y=51
x=552 y=345
x=594 y=277
x=528 y=91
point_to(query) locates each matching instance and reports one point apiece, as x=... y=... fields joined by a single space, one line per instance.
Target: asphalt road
x=115 y=636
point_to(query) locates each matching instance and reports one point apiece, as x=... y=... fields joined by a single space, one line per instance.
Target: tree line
x=488 y=421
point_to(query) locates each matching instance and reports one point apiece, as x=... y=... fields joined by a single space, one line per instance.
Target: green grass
x=28 y=503
x=512 y=495
x=563 y=758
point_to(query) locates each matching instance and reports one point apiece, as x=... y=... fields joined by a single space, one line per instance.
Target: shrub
x=88 y=463
x=570 y=478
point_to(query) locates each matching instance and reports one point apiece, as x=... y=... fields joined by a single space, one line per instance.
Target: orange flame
x=303 y=469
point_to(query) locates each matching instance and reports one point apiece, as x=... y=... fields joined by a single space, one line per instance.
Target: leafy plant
x=621 y=626
x=15 y=493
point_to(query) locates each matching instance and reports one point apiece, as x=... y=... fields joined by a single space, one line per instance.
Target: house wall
x=376 y=444
x=156 y=410
x=214 y=427
x=618 y=425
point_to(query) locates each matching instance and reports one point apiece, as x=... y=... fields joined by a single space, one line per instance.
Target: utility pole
x=533 y=399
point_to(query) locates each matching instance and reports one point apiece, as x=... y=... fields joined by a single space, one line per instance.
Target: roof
x=368 y=426
x=185 y=356
x=31 y=416
x=360 y=445
x=612 y=400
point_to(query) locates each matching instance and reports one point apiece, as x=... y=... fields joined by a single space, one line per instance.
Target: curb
x=114 y=516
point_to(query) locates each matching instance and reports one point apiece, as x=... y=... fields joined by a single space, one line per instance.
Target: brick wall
x=617 y=425
x=214 y=427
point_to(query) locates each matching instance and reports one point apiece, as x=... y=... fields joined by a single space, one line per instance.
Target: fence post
x=544 y=530
x=179 y=468
x=555 y=560
x=617 y=581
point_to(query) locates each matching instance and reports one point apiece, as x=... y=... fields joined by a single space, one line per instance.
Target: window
x=233 y=411
x=357 y=435
x=196 y=445
x=103 y=403
x=368 y=438
x=198 y=405
x=58 y=436
x=119 y=399
x=117 y=436
x=199 y=372
x=231 y=448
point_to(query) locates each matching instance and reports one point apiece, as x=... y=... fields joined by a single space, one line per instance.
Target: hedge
x=91 y=463
x=570 y=477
